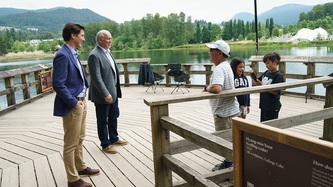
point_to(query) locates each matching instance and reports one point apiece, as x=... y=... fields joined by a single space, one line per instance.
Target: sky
x=214 y=11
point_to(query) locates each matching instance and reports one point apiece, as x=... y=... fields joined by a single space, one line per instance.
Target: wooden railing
x=219 y=142
x=25 y=79
x=22 y=80
x=309 y=61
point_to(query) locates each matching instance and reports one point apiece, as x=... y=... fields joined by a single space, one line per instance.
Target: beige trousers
x=74 y=124
x=222 y=123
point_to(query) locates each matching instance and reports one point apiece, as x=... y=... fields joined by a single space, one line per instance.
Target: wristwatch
x=205 y=88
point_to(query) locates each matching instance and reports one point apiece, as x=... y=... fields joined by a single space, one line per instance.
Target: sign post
x=46 y=80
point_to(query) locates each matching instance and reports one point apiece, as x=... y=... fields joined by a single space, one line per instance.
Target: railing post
x=311 y=71
x=255 y=68
x=126 y=74
x=282 y=68
x=208 y=73
x=38 y=86
x=328 y=123
x=26 y=91
x=9 y=83
x=167 y=77
x=161 y=145
x=187 y=71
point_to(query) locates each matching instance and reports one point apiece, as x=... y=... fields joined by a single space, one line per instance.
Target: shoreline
x=24 y=56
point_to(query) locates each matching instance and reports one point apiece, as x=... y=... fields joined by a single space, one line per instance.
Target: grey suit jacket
x=103 y=80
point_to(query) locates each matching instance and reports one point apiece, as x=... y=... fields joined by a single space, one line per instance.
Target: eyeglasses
x=212 y=49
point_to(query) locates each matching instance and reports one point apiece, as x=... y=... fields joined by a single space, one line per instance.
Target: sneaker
x=110 y=149
x=120 y=142
x=223 y=165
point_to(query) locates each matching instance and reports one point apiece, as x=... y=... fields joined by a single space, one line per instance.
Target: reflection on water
x=20 y=64
x=194 y=56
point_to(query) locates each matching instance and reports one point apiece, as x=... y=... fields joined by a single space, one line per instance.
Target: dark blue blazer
x=67 y=81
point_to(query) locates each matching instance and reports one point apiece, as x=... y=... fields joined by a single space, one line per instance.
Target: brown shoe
x=89 y=171
x=110 y=149
x=120 y=142
x=79 y=183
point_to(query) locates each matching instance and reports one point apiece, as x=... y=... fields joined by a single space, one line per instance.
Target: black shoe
x=88 y=171
x=79 y=183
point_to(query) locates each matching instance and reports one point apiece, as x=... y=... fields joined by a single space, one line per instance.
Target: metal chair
x=147 y=75
x=180 y=77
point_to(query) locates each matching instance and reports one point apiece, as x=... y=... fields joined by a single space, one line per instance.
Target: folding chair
x=147 y=75
x=180 y=77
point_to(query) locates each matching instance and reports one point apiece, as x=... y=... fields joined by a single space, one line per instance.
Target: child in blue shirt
x=238 y=67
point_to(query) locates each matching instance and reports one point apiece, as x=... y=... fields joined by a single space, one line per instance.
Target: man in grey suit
x=104 y=91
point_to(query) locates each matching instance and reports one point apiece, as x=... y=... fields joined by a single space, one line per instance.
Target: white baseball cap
x=220 y=45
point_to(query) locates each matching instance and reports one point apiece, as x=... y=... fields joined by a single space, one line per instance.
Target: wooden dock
x=31 y=140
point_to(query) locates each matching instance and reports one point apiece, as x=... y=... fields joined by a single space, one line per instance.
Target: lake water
x=195 y=56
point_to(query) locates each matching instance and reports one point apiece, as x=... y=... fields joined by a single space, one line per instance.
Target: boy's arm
x=254 y=77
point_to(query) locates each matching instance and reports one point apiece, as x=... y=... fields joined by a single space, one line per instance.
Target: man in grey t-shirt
x=223 y=109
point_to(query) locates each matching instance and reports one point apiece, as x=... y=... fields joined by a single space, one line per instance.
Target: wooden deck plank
x=31 y=147
x=207 y=156
x=107 y=166
x=12 y=157
x=27 y=174
x=44 y=140
x=100 y=179
x=37 y=137
x=19 y=150
x=10 y=176
x=44 y=145
x=5 y=163
x=127 y=168
x=199 y=165
x=43 y=172
x=58 y=169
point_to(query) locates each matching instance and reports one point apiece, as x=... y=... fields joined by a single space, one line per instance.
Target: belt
x=80 y=98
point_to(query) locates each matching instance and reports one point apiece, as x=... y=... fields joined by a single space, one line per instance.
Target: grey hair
x=100 y=34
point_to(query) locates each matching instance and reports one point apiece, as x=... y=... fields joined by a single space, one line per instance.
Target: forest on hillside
x=156 y=32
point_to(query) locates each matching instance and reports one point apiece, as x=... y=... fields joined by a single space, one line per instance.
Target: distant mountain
x=9 y=11
x=47 y=19
x=282 y=15
x=245 y=16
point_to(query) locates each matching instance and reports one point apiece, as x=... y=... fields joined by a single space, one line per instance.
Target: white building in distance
x=308 y=34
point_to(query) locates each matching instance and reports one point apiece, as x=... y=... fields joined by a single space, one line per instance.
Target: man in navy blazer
x=104 y=91
x=70 y=84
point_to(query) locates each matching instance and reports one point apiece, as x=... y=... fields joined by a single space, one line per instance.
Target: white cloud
x=125 y=10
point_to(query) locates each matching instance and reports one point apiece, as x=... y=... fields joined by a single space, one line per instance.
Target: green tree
x=271 y=26
x=205 y=35
x=44 y=46
x=198 y=36
x=3 y=47
x=215 y=32
x=276 y=32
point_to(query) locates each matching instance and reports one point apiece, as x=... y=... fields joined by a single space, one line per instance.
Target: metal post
x=256 y=25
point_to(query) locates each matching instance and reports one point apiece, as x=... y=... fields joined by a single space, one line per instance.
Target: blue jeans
x=107 y=123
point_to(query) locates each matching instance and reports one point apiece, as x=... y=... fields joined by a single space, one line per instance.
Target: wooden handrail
x=304 y=59
x=240 y=91
x=162 y=123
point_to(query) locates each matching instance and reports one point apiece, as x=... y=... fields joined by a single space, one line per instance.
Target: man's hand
x=79 y=103
x=108 y=99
